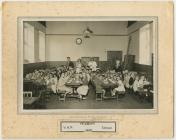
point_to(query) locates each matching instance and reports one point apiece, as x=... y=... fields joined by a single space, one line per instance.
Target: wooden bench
x=29 y=100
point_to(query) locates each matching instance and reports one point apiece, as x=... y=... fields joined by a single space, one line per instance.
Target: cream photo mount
x=20 y=21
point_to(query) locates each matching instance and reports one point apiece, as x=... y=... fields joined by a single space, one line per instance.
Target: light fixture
x=87 y=33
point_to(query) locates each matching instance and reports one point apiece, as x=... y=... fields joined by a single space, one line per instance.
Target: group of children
x=128 y=82
x=136 y=83
x=57 y=79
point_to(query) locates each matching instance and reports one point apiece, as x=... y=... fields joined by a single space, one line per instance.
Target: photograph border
x=20 y=34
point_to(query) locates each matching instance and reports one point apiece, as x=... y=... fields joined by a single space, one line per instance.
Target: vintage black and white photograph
x=88 y=64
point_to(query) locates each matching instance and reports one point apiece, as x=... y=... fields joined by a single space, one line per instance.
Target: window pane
x=28 y=43
x=145 y=45
x=41 y=46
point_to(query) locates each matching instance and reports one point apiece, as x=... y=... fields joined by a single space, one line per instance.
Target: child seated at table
x=105 y=80
x=28 y=76
x=61 y=84
x=98 y=83
x=146 y=82
x=53 y=81
x=77 y=78
x=143 y=83
x=126 y=80
x=120 y=89
x=143 y=90
x=112 y=79
x=88 y=75
x=42 y=80
x=78 y=66
x=83 y=90
x=136 y=85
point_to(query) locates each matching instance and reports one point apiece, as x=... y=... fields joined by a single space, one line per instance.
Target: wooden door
x=112 y=56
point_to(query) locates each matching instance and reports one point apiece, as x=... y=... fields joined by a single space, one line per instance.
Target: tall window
x=145 y=45
x=28 y=43
x=41 y=46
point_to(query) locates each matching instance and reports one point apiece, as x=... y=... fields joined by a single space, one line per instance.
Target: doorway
x=112 y=56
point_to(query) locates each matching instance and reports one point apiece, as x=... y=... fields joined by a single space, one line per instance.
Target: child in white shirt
x=61 y=84
x=83 y=90
x=136 y=84
x=120 y=88
x=53 y=83
x=93 y=65
x=126 y=80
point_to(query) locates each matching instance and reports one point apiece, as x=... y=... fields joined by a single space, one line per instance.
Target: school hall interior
x=88 y=64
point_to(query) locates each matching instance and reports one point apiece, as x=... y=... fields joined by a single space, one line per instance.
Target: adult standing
x=92 y=64
x=78 y=66
x=70 y=63
x=118 y=68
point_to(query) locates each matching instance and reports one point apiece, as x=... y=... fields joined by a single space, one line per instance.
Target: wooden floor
x=127 y=102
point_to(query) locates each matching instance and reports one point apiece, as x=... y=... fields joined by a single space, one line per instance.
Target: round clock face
x=78 y=41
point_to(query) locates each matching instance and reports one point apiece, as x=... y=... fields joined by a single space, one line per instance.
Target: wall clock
x=78 y=41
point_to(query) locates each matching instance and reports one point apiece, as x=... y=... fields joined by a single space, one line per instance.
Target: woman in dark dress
x=69 y=63
x=131 y=81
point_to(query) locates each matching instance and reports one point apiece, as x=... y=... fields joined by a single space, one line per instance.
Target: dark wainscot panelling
x=101 y=64
x=30 y=67
x=143 y=68
x=148 y=69
x=51 y=64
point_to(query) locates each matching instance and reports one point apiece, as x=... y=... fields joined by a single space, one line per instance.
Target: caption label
x=87 y=126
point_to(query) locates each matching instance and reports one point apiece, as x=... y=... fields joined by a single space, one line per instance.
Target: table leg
x=73 y=90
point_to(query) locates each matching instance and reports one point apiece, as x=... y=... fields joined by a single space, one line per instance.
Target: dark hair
x=68 y=57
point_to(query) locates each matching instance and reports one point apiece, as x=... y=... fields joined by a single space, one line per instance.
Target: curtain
x=41 y=46
x=145 y=45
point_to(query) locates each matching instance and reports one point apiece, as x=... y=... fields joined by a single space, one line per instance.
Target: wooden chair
x=61 y=95
x=47 y=94
x=99 y=95
x=27 y=94
x=119 y=93
x=143 y=94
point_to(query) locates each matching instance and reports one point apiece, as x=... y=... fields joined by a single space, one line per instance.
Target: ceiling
x=128 y=24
